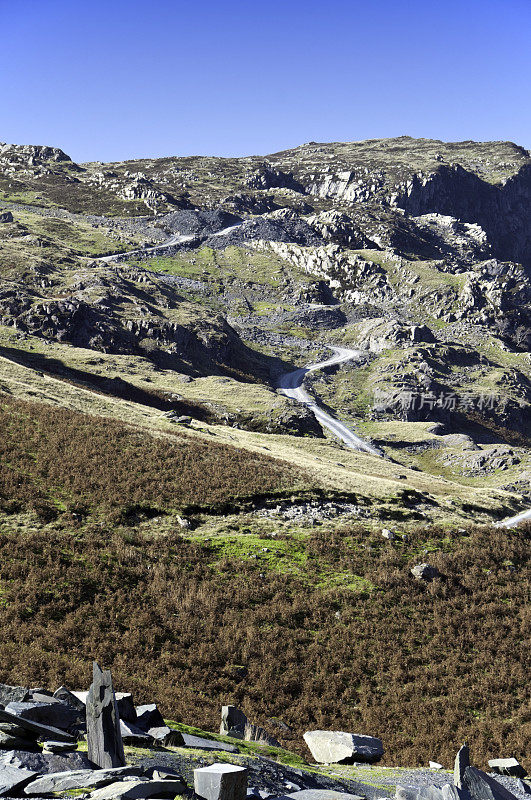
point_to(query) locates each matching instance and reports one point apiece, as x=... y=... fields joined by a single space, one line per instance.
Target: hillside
x=165 y=452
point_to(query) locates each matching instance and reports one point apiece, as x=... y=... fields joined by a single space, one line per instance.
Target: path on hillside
x=174 y=240
x=512 y=522
x=291 y=384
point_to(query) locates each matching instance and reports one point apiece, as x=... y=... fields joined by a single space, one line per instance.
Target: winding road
x=291 y=384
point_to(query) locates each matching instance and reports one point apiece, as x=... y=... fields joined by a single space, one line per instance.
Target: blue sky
x=115 y=79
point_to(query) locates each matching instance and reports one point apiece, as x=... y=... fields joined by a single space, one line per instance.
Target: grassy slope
x=178 y=617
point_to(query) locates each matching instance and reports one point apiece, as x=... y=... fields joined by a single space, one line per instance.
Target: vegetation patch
x=423 y=666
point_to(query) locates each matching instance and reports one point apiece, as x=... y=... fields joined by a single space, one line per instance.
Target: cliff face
x=502 y=210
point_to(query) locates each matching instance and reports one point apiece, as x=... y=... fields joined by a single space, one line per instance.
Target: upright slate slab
x=462 y=761
x=482 y=787
x=105 y=746
x=232 y=720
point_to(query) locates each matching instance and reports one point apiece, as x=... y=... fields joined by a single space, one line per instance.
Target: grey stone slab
x=221 y=782
x=507 y=766
x=58 y=747
x=105 y=746
x=139 y=790
x=131 y=735
x=333 y=747
x=161 y=735
x=9 y=741
x=54 y=713
x=148 y=716
x=42 y=731
x=188 y=740
x=79 y=779
x=13 y=778
x=323 y=794
x=46 y=763
x=64 y=694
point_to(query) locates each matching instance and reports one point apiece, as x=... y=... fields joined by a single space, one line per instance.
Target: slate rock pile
x=40 y=731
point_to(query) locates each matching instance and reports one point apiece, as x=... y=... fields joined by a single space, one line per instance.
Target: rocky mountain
x=415 y=252
x=265 y=423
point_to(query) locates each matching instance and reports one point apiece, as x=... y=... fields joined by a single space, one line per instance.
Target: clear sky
x=115 y=79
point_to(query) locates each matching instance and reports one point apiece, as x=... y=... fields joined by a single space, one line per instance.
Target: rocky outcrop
x=265 y=176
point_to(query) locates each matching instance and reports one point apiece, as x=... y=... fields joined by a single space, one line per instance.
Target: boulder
x=254 y=733
x=37 y=728
x=148 y=716
x=105 y=746
x=12 y=694
x=6 y=216
x=333 y=747
x=56 y=713
x=425 y=572
x=507 y=766
x=462 y=761
x=162 y=735
x=482 y=787
x=139 y=789
x=79 y=779
x=232 y=719
x=131 y=735
x=221 y=782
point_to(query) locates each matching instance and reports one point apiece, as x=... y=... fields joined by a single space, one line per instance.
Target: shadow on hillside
x=110 y=387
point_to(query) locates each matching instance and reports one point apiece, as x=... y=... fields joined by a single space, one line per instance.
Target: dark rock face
x=105 y=747
x=502 y=211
